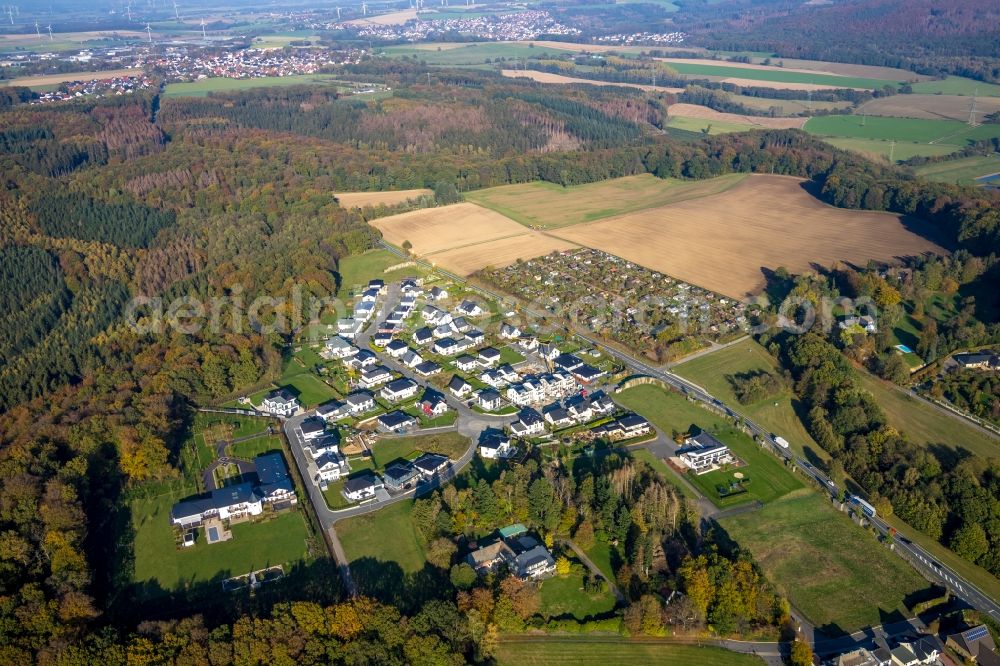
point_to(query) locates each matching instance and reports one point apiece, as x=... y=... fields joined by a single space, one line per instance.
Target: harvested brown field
x=53 y=79
x=31 y=37
x=697 y=111
x=392 y=18
x=725 y=242
x=497 y=253
x=937 y=107
x=844 y=69
x=777 y=85
x=446 y=227
x=548 y=77
x=465 y=237
x=390 y=198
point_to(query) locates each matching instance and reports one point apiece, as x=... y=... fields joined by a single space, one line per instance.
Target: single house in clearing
x=489 y=400
x=429 y=465
x=400 y=475
x=281 y=402
x=360 y=402
x=395 y=421
x=704 y=453
x=399 y=389
x=469 y=309
x=438 y=294
x=334 y=410
x=980 y=360
x=374 y=376
x=523 y=555
x=459 y=387
x=362 y=487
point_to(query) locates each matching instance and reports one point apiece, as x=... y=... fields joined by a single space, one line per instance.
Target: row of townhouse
x=538 y=389
x=396 y=477
x=323 y=446
x=579 y=408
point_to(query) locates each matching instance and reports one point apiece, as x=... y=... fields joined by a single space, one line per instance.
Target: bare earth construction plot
x=724 y=242
x=465 y=237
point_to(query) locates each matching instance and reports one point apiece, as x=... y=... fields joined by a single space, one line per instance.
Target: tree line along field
x=476 y=53
x=600 y=650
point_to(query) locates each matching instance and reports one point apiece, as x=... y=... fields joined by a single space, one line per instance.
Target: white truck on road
x=781 y=441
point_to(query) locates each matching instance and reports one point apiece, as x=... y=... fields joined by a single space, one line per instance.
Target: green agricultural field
x=962 y=171
x=161 y=566
x=777 y=414
x=388 y=535
x=777 y=75
x=927 y=425
x=554 y=206
x=956 y=85
x=474 y=54
x=672 y=412
x=603 y=650
x=881 y=127
x=789 y=107
x=449 y=444
x=205 y=86
x=707 y=126
x=564 y=596
x=882 y=149
x=356 y=270
x=832 y=571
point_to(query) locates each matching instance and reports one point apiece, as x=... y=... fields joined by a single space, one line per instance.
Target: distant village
x=517 y=26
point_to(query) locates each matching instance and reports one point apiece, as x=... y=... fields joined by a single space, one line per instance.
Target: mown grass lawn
x=606 y=650
x=449 y=444
x=388 y=535
x=564 y=596
x=831 y=570
x=252 y=448
x=311 y=389
x=777 y=413
x=159 y=563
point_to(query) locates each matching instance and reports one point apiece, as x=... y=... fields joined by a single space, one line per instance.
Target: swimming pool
x=213 y=534
x=904 y=349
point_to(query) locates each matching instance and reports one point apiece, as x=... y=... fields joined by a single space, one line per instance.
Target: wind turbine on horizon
x=176 y=15
x=203 y=36
x=50 y=31
x=37 y=31
x=149 y=33
x=364 y=9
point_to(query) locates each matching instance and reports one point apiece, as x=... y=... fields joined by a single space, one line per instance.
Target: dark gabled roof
x=394 y=419
x=330 y=406
x=400 y=384
x=490 y=352
x=280 y=395
x=396 y=344
x=457 y=383
x=356 y=483
x=325 y=441
x=446 y=342
x=427 y=367
x=529 y=416
x=632 y=421
x=586 y=371
x=489 y=394
x=280 y=487
x=557 y=414
x=422 y=333
x=364 y=354
x=399 y=471
x=706 y=440
x=376 y=371
x=271 y=468
x=465 y=358
x=429 y=462
x=567 y=361
x=359 y=397
x=313 y=424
